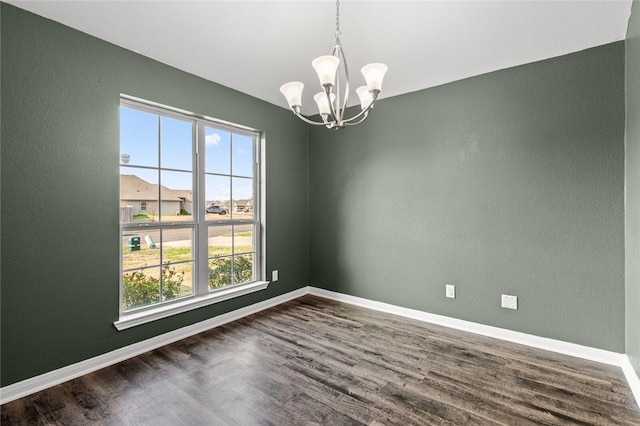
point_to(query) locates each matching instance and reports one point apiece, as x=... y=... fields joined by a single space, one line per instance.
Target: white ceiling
x=255 y=46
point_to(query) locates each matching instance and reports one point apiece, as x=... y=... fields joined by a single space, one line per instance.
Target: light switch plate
x=274 y=276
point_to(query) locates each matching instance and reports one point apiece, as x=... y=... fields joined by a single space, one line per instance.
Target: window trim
x=168 y=309
x=199 y=298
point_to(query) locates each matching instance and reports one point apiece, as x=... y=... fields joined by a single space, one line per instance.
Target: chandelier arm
x=346 y=85
x=332 y=111
x=335 y=112
x=364 y=111
x=350 y=123
x=296 y=111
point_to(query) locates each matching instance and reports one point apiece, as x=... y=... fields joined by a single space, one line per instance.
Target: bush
x=183 y=212
x=220 y=271
x=141 y=216
x=140 y=289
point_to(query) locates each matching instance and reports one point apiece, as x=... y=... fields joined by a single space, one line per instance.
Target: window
x=189 y=242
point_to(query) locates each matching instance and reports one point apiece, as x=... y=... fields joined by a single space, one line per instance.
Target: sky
x=151 y=140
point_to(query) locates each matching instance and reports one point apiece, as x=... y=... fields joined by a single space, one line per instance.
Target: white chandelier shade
x=326 y=67
x=374 y=74
x=323 y=102
x=293 y=92
x=365 y=96
x=331 y=103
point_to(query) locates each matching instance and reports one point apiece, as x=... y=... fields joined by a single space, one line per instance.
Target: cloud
x=212 y=140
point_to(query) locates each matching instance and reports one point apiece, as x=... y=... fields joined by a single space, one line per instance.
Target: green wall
x=60 y=152
x=510 y=182
x=632 y=216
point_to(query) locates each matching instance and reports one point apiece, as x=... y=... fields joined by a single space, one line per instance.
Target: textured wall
x=507 y=182
x=510 y=182
x=60 y=154
x=632 y=216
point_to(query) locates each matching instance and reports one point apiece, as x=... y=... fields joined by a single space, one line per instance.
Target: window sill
x=139 y=318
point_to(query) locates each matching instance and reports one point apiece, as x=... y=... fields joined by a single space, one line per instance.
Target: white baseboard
x=572 y=349
x=61 y=375
x=632 y=378
x=52 y=378
x=593 y=354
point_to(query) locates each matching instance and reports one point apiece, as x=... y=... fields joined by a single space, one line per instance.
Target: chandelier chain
x=338 y=33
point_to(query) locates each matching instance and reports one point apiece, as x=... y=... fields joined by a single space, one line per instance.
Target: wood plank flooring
x=315 y=361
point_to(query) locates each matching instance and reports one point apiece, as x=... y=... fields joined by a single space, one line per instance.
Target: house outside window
x=177 y=167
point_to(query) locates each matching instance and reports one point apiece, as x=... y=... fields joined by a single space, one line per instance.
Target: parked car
x=216 y=209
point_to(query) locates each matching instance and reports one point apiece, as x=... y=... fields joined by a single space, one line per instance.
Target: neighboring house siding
x=168 y=207
x=134 y=191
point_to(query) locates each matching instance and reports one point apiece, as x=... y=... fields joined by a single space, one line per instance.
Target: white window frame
x=202 y=296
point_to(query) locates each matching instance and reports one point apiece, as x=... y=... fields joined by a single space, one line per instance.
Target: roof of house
x=133 y=187
x=243 y=203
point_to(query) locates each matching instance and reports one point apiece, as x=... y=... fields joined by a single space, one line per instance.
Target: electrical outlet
x=450 y=291
x=509 y=302
x=274 y=276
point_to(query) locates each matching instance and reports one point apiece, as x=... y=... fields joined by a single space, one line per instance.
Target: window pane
x=176 y=144
x=138 y=138
x=138 y=195
x=243 y=238
x=242 y=155
x=140 y=248
x=177 y=245
x=217 y=151
x=242 y=269
x=218 y=196
x=177 y=280
x=242 y=196
x=177 y=196
x=220 y=272
x=140 y=287
x=220 y=241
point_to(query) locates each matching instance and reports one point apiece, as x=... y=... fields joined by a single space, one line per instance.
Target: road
x=182 y=237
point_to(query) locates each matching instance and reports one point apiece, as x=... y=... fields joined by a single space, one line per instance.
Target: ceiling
x=256 y=46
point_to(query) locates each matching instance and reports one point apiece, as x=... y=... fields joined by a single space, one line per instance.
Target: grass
x=239 y=234
x=146 y=256
x=142 y=217
x=146 y=217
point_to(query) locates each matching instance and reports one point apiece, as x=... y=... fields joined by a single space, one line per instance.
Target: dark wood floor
x=314 y=361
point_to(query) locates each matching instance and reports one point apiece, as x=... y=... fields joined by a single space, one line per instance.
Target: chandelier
x=331 y=103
